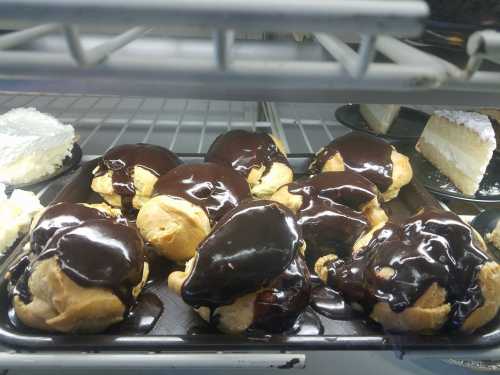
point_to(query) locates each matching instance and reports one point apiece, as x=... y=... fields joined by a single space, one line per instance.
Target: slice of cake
x=16 y=214
x=379 y=116
x=494 y=115
x=460 y=144
x=494 y=236
x=33 y=145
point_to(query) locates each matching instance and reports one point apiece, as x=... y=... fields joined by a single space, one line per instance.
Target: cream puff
x=430 y=272
x=84 y=279
x=126 y=174
x=187 y=201
x=333 y=209
x=259 y=157
x=368 y=155
x=248 y=273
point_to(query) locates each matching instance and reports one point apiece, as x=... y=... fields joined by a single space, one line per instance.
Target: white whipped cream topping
x=476 y=122
x=24 y=131
x=16 y=214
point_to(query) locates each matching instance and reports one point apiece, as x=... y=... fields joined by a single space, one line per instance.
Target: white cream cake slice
x=33 y=145
x=16 y=214
x=379 y=117
x=460 y=144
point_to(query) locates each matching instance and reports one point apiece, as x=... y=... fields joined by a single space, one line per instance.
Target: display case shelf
x=379 y=67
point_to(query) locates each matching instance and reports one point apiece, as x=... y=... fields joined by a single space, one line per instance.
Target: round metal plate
x=437 y=183
x=407 y=126
x=70 y=162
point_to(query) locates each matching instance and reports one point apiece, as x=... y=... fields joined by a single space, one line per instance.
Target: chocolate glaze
x=122 y=159
x=362 y=153
x=433 y=246
x=96 y=253
x=329 y=214
x=277 y=308
x=330 y=303
x=215 y=188
x=243 y=150
x=59 y=216
x=330 y=228
x=142 y=317
x=247 y=249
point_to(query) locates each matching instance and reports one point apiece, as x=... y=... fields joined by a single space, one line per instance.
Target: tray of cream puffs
x=247 y=248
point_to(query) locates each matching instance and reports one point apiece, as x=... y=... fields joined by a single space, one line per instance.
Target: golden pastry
x=84 y=279
x=259 y=157
x=126 y=174
x=428 y=273
x=334 y=209
x=368 y=155
x=187 y=201
x=494 y=236
x=237 y=281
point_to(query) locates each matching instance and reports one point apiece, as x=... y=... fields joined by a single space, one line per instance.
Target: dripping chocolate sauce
x=142 y=317
x=121 y=160
x=247 y=249
x=243 y=150
x=329 y=214
x=277 y=308
x=362 y=153
x=215 y=188
x=433 y=246
x=330 y=303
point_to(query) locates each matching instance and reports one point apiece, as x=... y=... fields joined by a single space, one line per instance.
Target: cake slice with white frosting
x=33 y=145
x=460 y=144
x=16 y=213
x=379 y=117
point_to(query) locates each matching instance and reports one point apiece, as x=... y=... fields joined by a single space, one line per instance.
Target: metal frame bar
x=366 y=16
x=101 y=52
x=13 y=360
x=19 y=37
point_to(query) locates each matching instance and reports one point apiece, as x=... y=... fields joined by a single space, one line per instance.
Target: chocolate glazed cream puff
x=259 y=157
x=82 y=277
x=428 y=273
x=248 y=273
x=186 y=203
x=370 y=156
x=126 y=174
x=333 y=209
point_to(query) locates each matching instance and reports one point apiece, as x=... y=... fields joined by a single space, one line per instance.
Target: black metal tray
x=175 y=329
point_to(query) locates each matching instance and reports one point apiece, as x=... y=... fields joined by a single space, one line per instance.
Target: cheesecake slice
x=494 y=115
x=16 y=213
x=379 y=117
x=33 y=145
x=460 y=144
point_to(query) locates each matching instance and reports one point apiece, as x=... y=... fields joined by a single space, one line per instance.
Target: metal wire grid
x=184 y=125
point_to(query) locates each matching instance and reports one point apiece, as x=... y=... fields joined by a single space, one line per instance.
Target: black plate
x=439 y=184
x=407 y=126
x=484 y=223
x=69 y=162
x=179 y=328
